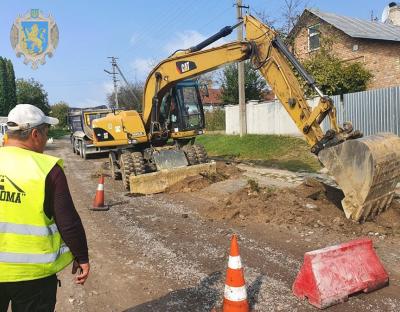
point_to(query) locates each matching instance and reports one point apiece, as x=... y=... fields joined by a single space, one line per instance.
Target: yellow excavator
x=163 y=136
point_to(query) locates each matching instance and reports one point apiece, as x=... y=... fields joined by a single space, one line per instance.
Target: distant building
x=213 y=100
x=268 y=96
x=373 y=43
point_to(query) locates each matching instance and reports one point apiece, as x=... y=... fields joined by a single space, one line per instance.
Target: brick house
x=373 y=43
x=213 y=100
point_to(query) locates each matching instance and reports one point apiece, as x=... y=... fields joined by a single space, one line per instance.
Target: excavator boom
x=366 y=168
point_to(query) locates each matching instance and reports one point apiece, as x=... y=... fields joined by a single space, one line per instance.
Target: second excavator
x=163 y=136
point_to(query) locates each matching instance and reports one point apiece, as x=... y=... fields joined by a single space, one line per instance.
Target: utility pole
x=127 y=84
x=242 y=103
x=114 y=76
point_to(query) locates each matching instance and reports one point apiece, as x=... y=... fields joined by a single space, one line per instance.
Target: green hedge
x=215 y=120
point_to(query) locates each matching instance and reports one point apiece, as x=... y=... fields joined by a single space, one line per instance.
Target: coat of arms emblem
x=34 y=36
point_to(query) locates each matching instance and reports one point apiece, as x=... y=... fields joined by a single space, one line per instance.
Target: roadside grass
x=57 y=133
x=283 y=152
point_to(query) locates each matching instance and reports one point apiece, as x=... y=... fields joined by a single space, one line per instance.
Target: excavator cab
x=181 y=110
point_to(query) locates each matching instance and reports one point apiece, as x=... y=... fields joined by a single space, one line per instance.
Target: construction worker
x=40 y=231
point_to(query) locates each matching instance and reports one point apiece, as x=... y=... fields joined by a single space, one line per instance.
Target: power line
x=184 y=13
x=114 y=74
x=161 y=25
x=127 y=84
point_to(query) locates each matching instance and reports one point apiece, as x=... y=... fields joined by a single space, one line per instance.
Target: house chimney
x=391 y=14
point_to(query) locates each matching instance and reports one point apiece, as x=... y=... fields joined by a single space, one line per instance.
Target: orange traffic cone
x=235 y=295
x=98 y=203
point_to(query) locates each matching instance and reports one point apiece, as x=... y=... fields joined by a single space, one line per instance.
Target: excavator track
x=367 y=170
x=190 y=153
x=201 y=153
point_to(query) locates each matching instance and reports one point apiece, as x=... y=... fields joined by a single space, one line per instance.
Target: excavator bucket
x=367 y=170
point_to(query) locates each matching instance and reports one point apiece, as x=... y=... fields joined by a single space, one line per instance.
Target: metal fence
x=370 y=111
x=374 y=111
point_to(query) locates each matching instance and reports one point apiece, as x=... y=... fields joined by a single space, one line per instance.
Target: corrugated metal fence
x=370 y=111
x=374 y=111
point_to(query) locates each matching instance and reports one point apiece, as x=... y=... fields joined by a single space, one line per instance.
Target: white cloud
x=183 y=40
x=187 y=39
x=142 y=67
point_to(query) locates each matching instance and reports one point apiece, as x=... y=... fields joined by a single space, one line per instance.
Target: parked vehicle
x=80 y=125
x=3 y=130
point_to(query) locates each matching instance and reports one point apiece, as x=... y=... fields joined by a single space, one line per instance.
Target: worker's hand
x=83 y=274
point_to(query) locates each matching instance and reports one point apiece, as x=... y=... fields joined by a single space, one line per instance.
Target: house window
x=313 y=37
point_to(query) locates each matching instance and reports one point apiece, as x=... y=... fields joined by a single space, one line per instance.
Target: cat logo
x=185 y=66
x=34 y=36
x=12 y=193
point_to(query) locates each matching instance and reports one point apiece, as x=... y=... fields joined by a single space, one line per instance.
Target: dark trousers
x=29 y=296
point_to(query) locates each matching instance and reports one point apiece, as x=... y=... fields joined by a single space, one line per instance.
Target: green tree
x=253 y=82
x=129 y=97
x=60 y=111
x=3 y=88
x=334 y=76
x=31 y=92
x=11 y=87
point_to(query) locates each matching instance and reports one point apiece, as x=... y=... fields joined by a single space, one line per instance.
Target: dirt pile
x=311 y=204
x=190 y=184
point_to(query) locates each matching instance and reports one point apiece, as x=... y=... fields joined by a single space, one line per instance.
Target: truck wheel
x=76 y=146
x=83 y=150
x=126 y=166
x=73 y=145
x=190 y=153
x=80 y=148
x=115 y=174
x=201 y=153
x=138 y=163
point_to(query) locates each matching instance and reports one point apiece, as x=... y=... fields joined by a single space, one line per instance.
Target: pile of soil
x=311 y=204
x=195 y=183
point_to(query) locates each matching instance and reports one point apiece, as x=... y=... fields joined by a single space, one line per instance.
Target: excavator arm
x=367 y=169
x=277 y=65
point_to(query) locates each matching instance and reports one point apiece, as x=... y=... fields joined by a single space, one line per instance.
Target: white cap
x=27 y=116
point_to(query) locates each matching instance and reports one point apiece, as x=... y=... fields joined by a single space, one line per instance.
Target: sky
x=139 y=33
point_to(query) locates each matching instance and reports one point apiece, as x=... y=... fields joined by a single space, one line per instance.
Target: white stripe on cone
x=235 y=293
x=234 y=262
x=100 y=187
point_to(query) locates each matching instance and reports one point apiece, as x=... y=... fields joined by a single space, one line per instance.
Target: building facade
x=372 y=43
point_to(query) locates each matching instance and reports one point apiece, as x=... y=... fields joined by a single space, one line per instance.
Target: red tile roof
x=213 y=98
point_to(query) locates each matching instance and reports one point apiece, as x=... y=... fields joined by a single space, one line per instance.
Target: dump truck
x=81 y=132
x=365 y=168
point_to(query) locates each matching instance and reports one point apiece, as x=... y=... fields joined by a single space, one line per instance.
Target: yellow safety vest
x=31 y=246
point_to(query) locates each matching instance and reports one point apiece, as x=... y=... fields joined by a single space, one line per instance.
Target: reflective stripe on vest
x=26 y=229
x=31 y=246
x=32 y=258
